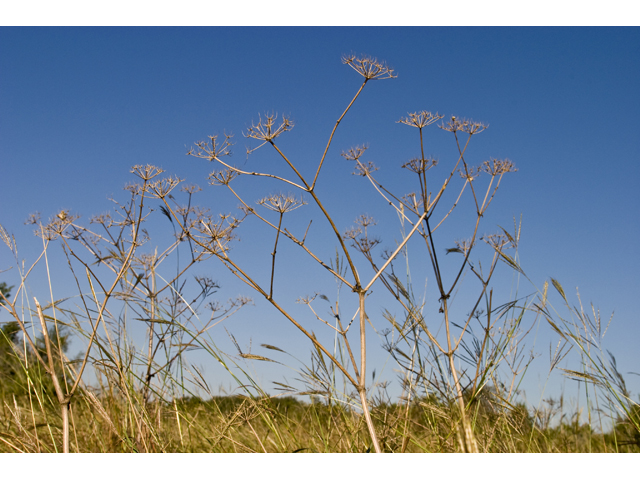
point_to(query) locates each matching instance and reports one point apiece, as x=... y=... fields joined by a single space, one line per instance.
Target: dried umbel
x=281 y=203
x=266 y=130
x=498 y=167
x=470 y=173
x=213 y=149
x=222 y=177
x=420 y=119
x=420 y=165
x=354 y=154
x=359 y=235
x=369 y=67
x=56 y=226
x=463 y=125
x=162 y=188
x=146 y=172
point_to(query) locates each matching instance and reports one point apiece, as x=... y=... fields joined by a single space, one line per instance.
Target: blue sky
x=79 y=107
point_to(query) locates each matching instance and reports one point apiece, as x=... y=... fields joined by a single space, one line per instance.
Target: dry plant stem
x=291 y=237
x=273 y=261
x=121 y=272
x=324 y=212
x=62 y=398
x=148 y=376
x=242 y=275
x=257 y=174
x=315 y=179
x=362 y=390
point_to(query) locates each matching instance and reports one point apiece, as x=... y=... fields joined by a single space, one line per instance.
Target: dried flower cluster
x=420 y=119
x=370 y=68
x=469 y=126
x=281 y=203
x=266 y=130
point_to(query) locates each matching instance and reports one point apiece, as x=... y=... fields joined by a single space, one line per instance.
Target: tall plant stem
x=315 y=179
x=362 y=390
x=63 y=400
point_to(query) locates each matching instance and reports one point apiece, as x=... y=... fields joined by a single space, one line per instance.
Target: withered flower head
x=415 y=201
x=146 y=172
x=57 y=225
x=33 y=219
x=496 y=240
x=190 y=189
x=365 y=221
x=213 y=149
x=354 y=153
x=464 y=125
x=420 y=165
x=471 y=173
x=420 y=119
x=133 y=188
x=222 y=177
x=359 y=235
x=369 y=67
x=364 y=169
x=282 y=203
x=266 y=129
x=498 y=167
x=352 y=233
x=162 y=188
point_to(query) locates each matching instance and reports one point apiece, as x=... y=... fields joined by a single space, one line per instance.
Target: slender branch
x=273 y=260
x=400 y=247
x=315 y=179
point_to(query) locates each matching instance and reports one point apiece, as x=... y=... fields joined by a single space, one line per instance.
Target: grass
x=242 y=424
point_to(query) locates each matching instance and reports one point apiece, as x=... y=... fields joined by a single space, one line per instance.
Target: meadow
x=460 y=360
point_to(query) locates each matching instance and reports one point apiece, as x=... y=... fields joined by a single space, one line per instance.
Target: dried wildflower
x=352 y=233
x=133 y=188
x=57 y=225
x=414 y=200
x=420 y=165
x=354 y=153
x=471 y=173
x=162 y=188
x=282 y=203
x=364 y=169
x=472 y=127
x=33 y=219
x=213 y=149
x=216 y=235
x=190 y=189
x=266 y=130
x=365 y=221
x=420 y=119
x=498 y=167
x=359 y=235
x=496 y=240
x=146 y=172
x=222 y=177
x=468 y=126
x=370 y=68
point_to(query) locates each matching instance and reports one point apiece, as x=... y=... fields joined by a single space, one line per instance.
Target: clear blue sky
x=79 y=107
